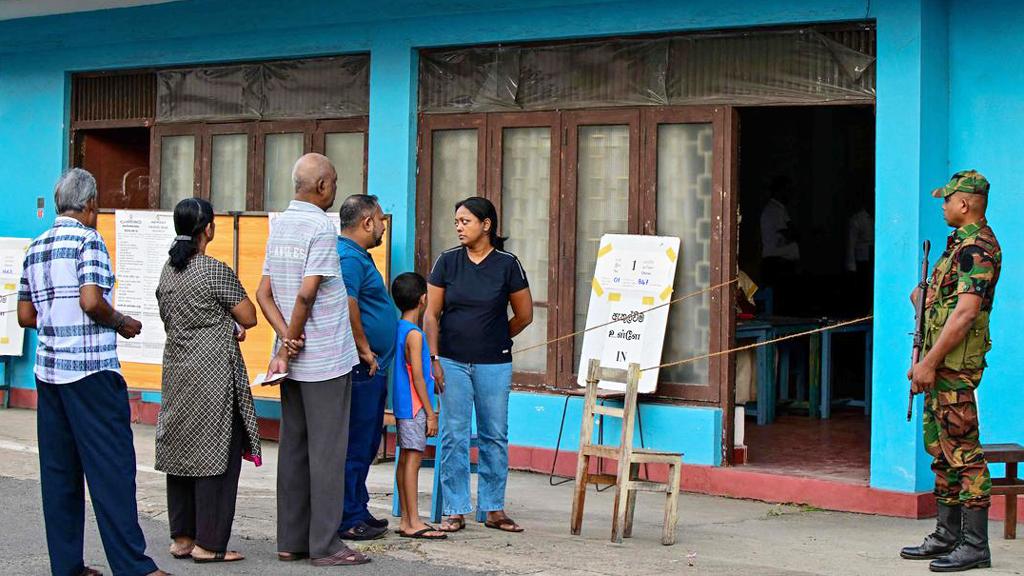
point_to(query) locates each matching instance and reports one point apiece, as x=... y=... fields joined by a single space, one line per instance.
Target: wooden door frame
x=211 y=130
x=711 y=391
x=347 y=126
x=263 y=129
x=496 y=124
x=157 y=133
x=571 y=123
x=428 y=124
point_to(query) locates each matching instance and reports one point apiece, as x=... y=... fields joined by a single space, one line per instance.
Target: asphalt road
x=23 y=547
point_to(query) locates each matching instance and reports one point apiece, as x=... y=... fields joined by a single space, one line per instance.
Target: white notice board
x=143 y=240
x=12 y=256
x=633 y=274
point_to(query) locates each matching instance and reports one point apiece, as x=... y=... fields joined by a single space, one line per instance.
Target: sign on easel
x=633 y=274
x=12 y=256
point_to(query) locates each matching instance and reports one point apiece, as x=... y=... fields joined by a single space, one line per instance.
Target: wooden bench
x=1010 y=486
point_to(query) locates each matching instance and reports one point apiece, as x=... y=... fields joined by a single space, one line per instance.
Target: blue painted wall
x=943 y=102
x=987 y=104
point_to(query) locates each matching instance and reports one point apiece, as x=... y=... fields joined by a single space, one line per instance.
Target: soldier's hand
x=922 y=377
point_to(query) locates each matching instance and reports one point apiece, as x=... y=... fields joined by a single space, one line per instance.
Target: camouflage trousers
x=951 y=438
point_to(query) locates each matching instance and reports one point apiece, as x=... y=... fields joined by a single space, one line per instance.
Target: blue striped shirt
x=59 y=262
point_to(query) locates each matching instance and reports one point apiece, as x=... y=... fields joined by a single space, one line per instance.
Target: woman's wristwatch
x=435 y=358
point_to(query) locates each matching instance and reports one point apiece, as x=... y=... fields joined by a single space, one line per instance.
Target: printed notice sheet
x=143 y=239
x=632 y=275
x=12 y=256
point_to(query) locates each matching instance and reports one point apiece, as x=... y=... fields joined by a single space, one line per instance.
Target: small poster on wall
x=633 y=274
x=143 y=239
x=12 y=256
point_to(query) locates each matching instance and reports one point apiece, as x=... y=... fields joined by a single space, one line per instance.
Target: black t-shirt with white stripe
x=474 y=319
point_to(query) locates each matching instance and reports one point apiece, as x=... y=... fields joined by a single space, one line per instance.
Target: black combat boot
x=972 y=552
x=940 y=542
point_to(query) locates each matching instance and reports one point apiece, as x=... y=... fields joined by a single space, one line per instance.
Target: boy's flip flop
x=425 y=534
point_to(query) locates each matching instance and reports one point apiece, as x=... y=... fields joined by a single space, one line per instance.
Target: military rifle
x=922 y=296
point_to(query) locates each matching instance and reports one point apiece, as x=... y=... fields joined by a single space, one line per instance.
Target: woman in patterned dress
x=207 y=423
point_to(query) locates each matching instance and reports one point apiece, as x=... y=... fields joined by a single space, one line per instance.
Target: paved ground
x=717 y=535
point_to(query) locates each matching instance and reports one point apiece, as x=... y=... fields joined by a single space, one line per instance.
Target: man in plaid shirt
x=84 y=421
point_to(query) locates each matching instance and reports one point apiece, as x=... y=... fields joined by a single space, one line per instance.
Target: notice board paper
x=143 y=239
x=12 y=256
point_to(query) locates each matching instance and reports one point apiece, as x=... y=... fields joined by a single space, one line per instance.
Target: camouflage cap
x=966 y=181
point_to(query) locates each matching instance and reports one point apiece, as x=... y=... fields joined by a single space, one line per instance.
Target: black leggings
x=203 y=507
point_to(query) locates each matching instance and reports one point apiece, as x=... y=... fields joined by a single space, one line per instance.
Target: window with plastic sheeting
x=334 y=87
x=805 y=65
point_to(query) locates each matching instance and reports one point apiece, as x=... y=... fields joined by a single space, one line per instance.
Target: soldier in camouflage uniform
x=956 y=338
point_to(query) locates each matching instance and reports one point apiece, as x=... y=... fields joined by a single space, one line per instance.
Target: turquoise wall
x=944 y=102
x=986 y=80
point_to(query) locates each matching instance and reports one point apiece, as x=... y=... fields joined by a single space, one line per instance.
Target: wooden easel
x=629 y=459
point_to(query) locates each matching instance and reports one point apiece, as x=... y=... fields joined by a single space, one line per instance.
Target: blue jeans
x=485 y=387
x=366 y=422
x=85 y=434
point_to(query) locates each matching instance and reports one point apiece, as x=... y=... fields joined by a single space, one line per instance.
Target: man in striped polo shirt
x=83 y=419
x=303 y=297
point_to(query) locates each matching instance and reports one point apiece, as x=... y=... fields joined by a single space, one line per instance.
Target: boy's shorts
x=412 y=432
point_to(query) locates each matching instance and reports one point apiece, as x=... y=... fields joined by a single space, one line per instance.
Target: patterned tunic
x=204 y=377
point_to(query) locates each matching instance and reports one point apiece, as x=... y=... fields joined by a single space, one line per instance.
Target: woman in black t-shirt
x=470 y=336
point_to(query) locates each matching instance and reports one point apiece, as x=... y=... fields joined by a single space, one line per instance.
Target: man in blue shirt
x=374 y=322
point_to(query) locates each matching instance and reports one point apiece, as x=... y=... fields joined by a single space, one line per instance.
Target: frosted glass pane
x=177 y=170
x=684 y=209
x=228 y=162
x=282 y=150
x=525 y=204
x=602 y=204
x=453 y=178
x=345 y=150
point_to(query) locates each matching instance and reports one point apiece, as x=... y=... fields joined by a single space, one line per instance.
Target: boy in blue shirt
x=412 y=400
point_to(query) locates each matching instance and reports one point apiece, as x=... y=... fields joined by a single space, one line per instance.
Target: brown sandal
x=456 y=523
x=343 y=557
x=291 y=556
x=505 y=524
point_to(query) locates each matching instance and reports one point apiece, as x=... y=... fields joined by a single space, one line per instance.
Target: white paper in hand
x=262 y=380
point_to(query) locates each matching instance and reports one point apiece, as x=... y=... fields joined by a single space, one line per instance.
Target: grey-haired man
x=83 y=419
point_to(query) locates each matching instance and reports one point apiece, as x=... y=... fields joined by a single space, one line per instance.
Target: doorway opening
x=119 y=160
x=806 y=245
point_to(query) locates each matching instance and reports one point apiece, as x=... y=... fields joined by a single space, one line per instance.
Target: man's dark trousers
x=85 y=428
x=369 y=395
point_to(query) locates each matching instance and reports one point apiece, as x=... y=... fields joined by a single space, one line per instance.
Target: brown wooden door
x=601 y=195
x=523 y=167
x=452 y=166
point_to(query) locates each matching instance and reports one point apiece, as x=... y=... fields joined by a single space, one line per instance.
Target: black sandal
x=218 y=557
x=423 y=534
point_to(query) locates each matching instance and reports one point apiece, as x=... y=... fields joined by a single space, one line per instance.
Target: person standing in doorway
x=302 y=283
x=957 y=307
x=780 y=252
x=470 y=290
x=373 y=327
x=83 y=418
x=207 y=420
